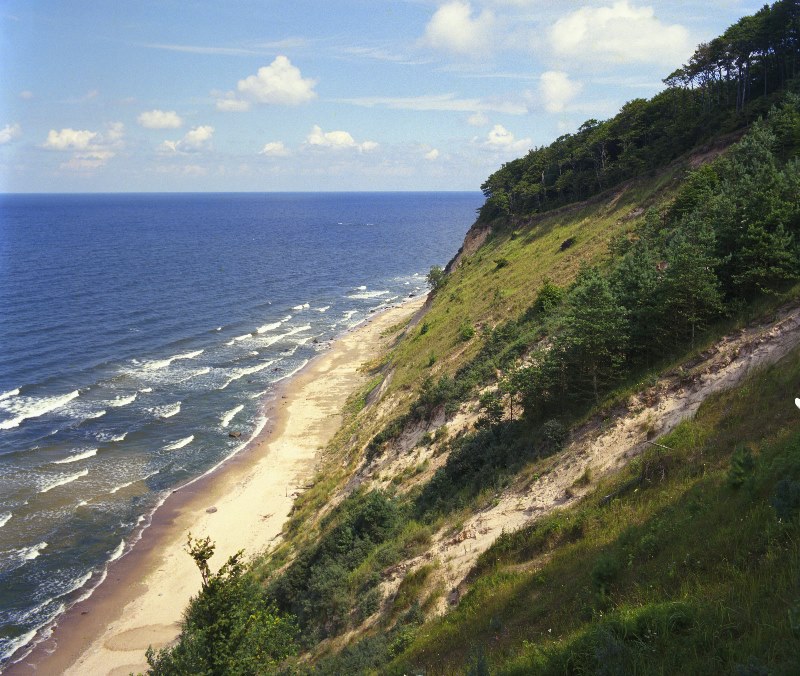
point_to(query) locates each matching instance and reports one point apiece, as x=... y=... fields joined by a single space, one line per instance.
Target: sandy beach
x=243 y=505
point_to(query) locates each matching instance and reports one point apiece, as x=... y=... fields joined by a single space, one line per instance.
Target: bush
x=229 y=627
x=742 y=467
x=465 y=331
x=604 y=572
x=436 y=278
x=554 y=434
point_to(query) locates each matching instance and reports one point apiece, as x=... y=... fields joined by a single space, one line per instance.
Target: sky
x=247 y=95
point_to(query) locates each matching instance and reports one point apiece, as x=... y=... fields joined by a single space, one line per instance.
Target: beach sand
x=243 y=505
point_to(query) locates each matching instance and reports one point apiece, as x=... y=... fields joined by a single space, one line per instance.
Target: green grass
x=480 y=293
x=679 y=574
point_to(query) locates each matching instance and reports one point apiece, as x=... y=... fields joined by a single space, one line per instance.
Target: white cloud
x=69 y=139
x=275 y=149
x=432 y=155
x=439 y=102
x=479 y=119
x=160 y=119
x=500 y=138
x=228 y=103
x=453 y=28
x=10 y=132
x=280 y=83
x=557 y=90
x=194 y=140
x=26 y=95
x=91 y=149
x=620 y=33
x=336 y=140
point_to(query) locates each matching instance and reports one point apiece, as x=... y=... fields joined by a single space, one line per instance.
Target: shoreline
x=241 y=504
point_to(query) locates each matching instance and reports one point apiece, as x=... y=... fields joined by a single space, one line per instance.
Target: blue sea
x=138 y=330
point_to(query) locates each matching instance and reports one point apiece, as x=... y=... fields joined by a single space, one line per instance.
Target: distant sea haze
x=138 y=331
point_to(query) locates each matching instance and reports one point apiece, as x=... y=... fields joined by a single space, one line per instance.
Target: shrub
x=604 y=572
x=465 y=331
x=742 y=467
x=436 y=277
x=554 y=434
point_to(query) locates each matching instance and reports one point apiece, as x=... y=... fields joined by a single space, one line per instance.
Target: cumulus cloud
x=274 y=149
x=432 y=155
x=336 y=140
x=90 y=149
x=479 y=119
x=453 y=28
x=69 y=139
x=160 y=119
x=280 y=83
x=557 y=90
x=620 y=33
x=500 y=138
x=10 y=132
x=194 y=140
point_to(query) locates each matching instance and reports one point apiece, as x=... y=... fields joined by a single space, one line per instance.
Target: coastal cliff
x=584 y=457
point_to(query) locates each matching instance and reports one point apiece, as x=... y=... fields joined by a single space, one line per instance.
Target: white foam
x=64 y=480
x=4 y=519
x=166 y=411
x=107 y=436
x=123 y=401
x=31 y=553
x=243 y=337
x=268 y=327
x=304 y=306
x=179 y=444
x=74 y=458
x=219 y=328
x=93 y=416
x=323 y=309
x=145 y=390
x=226 y=419
x=77 y=584
x=230 y=342
x=258 y=429
x=361 y=288
x=291 y=373
x=241 y=373
x=9 y=394
x=258 y=395
x=366 y=295
x=130 y=483
x=254 y=353
x=29 y=407
x=117 y=552
x=194 y=374
x=157 y=364
x=15 y=644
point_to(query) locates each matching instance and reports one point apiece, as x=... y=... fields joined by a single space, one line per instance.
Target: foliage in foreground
x=229 y=628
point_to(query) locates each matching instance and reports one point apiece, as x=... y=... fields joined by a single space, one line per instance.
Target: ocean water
x=137 y=331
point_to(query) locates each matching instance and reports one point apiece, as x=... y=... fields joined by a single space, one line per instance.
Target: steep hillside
x=582 y=455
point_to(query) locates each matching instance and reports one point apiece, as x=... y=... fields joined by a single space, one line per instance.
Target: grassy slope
x=683 y=574
x=537 y=603
x=483 y=294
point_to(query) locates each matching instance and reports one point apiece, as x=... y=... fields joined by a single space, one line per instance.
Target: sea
x=138 y=331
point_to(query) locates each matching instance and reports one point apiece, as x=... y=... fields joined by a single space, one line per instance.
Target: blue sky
x=247 y=95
